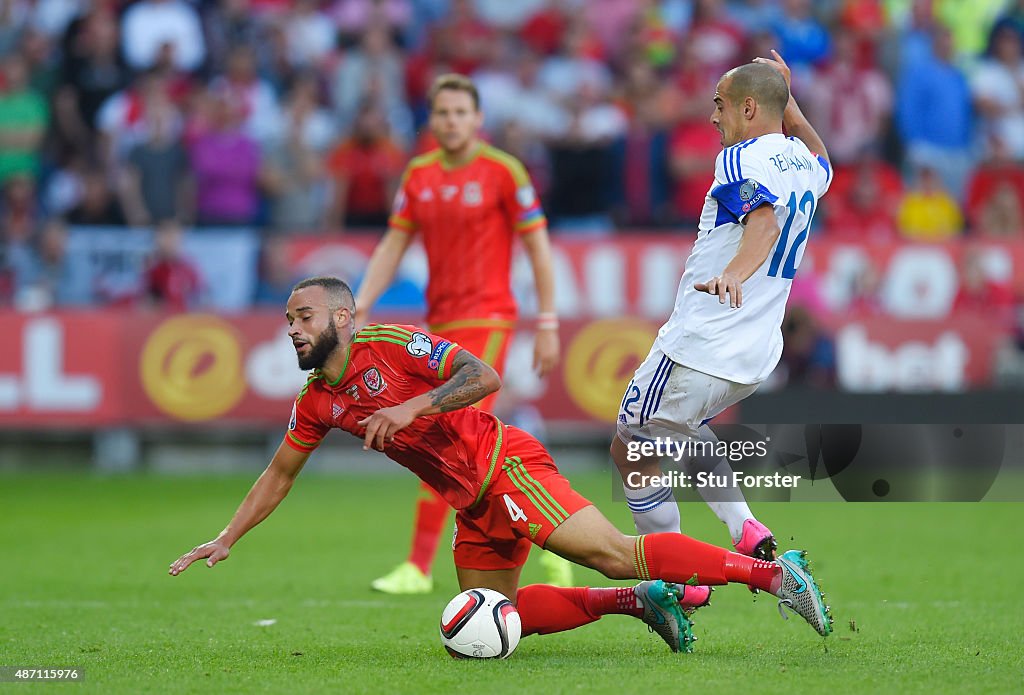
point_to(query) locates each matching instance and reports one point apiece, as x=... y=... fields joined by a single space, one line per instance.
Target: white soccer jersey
x=745 y=344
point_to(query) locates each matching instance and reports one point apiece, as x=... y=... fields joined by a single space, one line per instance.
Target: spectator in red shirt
x=365 y=170
x=865 y=19
x=694 y=147
x=980 y=293
x=863 y=201
x=994 y=189
x=1001 y=215
x=544 y=30
x=171 y=281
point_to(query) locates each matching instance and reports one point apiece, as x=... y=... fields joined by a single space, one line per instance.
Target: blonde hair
x=455 y=82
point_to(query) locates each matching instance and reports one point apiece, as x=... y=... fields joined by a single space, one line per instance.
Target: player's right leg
x=589 y=539
x=654 y=508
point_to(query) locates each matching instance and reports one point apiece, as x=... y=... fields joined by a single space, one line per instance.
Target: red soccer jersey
x=468 y=217
x=454 y=452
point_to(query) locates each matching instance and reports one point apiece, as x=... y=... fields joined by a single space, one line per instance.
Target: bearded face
x=314 y=354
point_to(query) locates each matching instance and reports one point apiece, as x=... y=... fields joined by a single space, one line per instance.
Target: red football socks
x=544 y=609
x=431 y=515
x=673 y=557
x=684 y=560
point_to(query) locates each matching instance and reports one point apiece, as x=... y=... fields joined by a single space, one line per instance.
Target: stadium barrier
x=115 y=368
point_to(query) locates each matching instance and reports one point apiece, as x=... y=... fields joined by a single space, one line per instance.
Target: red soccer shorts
x=527 y=500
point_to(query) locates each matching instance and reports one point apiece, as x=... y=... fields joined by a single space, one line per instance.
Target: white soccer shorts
x=665 y=399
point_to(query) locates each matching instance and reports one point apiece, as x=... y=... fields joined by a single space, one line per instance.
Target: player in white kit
x=724 y=335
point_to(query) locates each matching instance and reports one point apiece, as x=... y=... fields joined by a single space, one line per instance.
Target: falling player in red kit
x=405 y=392
x=468 y=202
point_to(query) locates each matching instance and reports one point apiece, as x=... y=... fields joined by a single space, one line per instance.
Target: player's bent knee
x=614 y=560
x=589 y=539
x=617 y=567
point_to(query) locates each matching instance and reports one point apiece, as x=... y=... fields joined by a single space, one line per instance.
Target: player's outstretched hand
x=779 y=64
x=725 y=284
x=382 y=425
x=214 y=552
x=545 y=351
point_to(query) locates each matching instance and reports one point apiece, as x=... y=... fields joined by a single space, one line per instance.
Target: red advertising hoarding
x=110 y=367
x=69 y=370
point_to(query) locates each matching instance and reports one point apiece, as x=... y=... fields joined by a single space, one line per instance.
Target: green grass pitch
x=926 y=598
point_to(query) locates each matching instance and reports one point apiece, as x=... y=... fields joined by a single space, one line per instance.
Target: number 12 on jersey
x=783 y=248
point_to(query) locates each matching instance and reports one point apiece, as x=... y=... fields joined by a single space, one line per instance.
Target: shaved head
x=763 y=83
x=339 y=295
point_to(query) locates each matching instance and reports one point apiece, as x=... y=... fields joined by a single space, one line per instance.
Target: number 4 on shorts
x=514 y=510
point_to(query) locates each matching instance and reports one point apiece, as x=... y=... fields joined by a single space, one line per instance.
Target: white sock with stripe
x=727 y=503
x=654 y=509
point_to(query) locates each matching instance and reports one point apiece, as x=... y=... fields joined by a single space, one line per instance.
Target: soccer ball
x=480 y=624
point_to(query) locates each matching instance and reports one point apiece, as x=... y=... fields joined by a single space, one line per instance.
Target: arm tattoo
x=464 y=387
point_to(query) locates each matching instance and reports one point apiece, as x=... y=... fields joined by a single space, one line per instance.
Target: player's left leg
x=749 y=536
x=531 y=500
x=545 y=609
x=589 y=539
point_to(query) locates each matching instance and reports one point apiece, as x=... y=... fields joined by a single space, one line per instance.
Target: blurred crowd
x=298 y=116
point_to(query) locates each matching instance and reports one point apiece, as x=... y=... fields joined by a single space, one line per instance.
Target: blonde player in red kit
x=468 y=202
x=404 y=391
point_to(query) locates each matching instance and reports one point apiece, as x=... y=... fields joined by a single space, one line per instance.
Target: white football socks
x=654 y=509
x=727 y=503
